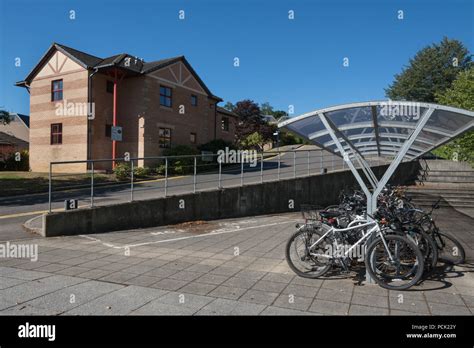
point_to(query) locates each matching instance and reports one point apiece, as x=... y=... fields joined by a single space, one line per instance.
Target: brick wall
x=138 y=111
x=43 y=114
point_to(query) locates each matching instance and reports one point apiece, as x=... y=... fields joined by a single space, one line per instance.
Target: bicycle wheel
x=301 y=259
x=398 y=265
x=427 y=247
x=449 y=249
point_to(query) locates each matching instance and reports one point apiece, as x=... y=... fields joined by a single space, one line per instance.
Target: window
x=225 y=124
x=164 y=137
x=192 y=138
x=56 y=133
x=57 y=90
x=165 y=96
x=194 y=100
x=110 y=87
x=108 y=130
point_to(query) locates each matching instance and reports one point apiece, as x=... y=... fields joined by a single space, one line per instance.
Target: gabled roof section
x=25 y=119
x=124 y=61
x=160 y=64
x=84 y=59
x=9 y=139
x=226 y=112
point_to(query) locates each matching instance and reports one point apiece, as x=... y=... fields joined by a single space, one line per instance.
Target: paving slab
x=32 y=289
x=258 y=296
x=231 y=307
x=356 y=309
x=211 y=278
x=119 y=302
x=329 y=307
x=73 y=296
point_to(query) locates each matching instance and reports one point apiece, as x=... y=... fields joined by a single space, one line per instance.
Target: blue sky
x=282 y=61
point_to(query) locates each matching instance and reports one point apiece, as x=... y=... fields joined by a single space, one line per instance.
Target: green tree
x=4 y=117
x=229 y=106
x=278 y=114
x=430 y=72
x=250 y=121
x=253 y=141
x=461 y=95
x=266 y=108
x=288 y=138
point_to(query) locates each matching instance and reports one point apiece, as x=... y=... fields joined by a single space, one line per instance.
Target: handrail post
x=308 y=163
x=194 y=176
x=241 y=172
x=279 y=154
x=294 y=164
x=92 y=184
x=50 y=187
x=166 y=176
x=322 y=161
x=131 y=182
x=261 y=168
x=220 y=174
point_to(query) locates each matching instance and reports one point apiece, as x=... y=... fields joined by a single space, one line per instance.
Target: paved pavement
x=226 y=267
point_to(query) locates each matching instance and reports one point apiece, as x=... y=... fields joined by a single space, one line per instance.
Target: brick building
x=14 y=136
x=76 y=99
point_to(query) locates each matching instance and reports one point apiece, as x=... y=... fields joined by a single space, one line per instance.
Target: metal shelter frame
x=400 y=142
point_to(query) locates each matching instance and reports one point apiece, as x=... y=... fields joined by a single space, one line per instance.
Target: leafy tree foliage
x=229 y=106
x=4 y=117
x=461 y=95
x=251 y=122
x=253 y=141
x=430 y=72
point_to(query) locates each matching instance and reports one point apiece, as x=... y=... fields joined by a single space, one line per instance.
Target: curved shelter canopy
x=381 y=128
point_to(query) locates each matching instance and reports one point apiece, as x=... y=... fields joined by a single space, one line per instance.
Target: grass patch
x=21 y=183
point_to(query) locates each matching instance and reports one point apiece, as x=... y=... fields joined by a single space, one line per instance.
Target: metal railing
x=149 y=177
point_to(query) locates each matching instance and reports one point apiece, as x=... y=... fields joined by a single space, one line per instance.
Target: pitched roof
x=86 y=58
x=11 y=140
x=158 y=64
x=24 y=118
x=133 y=65
x=227 y=112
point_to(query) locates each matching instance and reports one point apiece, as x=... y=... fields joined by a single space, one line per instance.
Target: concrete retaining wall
x=249 y=200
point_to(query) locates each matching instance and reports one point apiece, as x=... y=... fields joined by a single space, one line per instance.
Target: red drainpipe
x=114 y=143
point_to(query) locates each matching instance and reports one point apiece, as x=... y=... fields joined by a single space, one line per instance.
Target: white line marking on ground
x=165 y=232
x=213 y=233
x=99 y=241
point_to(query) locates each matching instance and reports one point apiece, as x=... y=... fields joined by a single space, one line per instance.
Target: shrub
x=141 y=172
x=216 y=145
x=12 y=164
x=180 y=150
x=180 y=165
x=160 y=170
x=287 y=138
x=122 y=171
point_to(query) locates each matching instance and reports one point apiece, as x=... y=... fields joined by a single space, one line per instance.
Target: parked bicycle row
x=400 y=244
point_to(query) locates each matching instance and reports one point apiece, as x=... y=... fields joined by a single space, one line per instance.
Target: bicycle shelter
x=391 y=130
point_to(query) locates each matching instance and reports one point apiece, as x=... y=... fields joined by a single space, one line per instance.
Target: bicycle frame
x=365 y=223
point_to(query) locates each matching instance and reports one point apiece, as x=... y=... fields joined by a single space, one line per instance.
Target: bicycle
x=392 y=260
